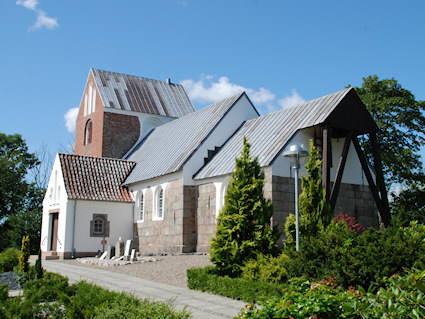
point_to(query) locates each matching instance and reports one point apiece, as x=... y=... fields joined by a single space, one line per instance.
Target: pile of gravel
x=8 y=279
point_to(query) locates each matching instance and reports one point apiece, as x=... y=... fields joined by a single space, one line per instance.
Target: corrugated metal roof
x=133 y=93
x=95 y=178
x=170 y=145
x=269 y=134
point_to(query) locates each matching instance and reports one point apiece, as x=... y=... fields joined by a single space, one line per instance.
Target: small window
x=88 y=133
x=141 y=206
x=99 y=226
x=161 y=203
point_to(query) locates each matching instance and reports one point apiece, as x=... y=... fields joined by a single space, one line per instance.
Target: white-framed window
x=90 y=100
x=158 y=204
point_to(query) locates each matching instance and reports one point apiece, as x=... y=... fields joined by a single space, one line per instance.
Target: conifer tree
x=243 y=224
x=314 y=210
x=23 y=264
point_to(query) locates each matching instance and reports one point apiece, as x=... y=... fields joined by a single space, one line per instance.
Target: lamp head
x=296 y=155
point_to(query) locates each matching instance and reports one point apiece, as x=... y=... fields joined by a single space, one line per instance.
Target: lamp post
x=296 y=155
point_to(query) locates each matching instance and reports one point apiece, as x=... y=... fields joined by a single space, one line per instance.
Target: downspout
x=73 y=231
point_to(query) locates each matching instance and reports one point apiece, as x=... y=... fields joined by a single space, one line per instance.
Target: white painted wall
x=120 y=217
x=353 y=173
x=55 y=199
x=240 y=112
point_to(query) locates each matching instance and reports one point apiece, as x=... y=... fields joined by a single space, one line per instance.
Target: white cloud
x=29 y=4
x=42 y=19
x=206 y=90
x=71 y=119
x=211 y=90
x=291 y=100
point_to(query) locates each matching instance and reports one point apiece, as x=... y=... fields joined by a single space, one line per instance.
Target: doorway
x=54 y=233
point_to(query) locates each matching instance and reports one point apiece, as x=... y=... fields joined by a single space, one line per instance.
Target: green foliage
x=266 y=268
x=243 y=224
x=409 y=205
x=38 y=268
x=52 y=297
x=401 y=121
x=18 y=197
x=4 y=293
x=207 y=279
x=8 y=259
x=314 y=210
x=402 y=297
x=24 y=256
x=362 y=259
x=25 y=224
x=128 y=307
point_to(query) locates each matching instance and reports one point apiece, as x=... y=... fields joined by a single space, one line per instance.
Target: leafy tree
x=20 y=199
x=25 y=224
x=401 y=120
x=243 y=224
x=409 y=205
x=15 y=162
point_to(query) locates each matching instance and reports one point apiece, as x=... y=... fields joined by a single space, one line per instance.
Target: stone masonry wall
x=165 y=235
x=356 y=200
x=206 y=216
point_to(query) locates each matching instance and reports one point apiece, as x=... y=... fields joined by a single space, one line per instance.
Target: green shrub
x=4 y=292
x=38 y=268
x=207 y=279
x=403 y=297
x=23 y=264
x=51 y=288
x=8 y=259
x=266 y=268
x=126 y=306
x=362 y=259
x=243 y=224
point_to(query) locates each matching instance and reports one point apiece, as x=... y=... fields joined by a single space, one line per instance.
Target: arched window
x=88 y=132
x=99 y=226
x=141 y=207
x=160 y=202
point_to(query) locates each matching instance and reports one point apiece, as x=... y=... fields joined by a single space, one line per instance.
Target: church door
x=54 y=238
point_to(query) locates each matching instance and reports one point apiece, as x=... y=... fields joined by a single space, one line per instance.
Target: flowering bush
x=351 y=222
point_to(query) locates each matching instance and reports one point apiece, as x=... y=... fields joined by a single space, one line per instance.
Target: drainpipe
x=73 y=231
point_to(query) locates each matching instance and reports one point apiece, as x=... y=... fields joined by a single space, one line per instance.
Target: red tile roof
x=96 y=178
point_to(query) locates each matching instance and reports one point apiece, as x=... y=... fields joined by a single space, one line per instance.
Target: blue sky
x=280 y=52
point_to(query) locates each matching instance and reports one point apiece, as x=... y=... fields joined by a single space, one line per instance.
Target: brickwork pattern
x=120 y=133
x=95 y=147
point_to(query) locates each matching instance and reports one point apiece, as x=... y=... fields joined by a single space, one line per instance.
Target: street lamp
x=296 y=155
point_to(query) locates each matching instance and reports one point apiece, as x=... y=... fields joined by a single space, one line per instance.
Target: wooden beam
x=340 y=171
x=385 y=215
x=326 y=161
x=368 y=174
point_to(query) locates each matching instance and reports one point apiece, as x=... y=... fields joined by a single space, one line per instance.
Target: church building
x=150 y=168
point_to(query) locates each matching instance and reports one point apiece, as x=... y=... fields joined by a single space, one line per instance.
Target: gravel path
x=169 y=270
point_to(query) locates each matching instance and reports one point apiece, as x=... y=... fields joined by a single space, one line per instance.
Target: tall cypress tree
x=314 y=210
x=243 y=225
